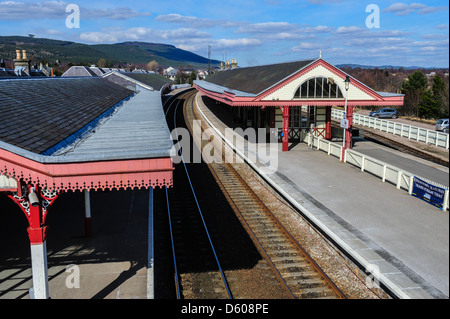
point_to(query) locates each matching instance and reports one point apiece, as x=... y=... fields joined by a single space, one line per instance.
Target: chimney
x=18 y=56
x=21 y=63
x=234 y=63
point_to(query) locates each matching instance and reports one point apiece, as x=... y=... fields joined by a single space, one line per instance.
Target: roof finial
x=320 y=54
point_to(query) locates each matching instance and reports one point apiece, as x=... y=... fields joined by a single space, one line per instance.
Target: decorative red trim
x=35 y=214
x=232 y=100
x=91 y=175
x=245 y=101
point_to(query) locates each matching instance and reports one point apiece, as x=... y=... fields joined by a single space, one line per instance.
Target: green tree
x=192 y=77
x=428 y=107
x=440 y=95
x=413 y=88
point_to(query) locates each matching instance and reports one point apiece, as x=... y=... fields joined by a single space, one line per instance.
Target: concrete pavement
x=406 y=238
x=112 y=264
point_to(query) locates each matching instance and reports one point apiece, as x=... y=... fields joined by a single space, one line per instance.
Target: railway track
x=195 y=260
x=373 y=136
x=217 y=238
x=295 y=271
x=378 y=138
x=208 y=254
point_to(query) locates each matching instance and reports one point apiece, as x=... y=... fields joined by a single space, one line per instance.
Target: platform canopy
x=83 y=133
x=308 y=82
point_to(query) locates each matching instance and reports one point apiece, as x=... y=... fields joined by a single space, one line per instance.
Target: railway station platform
x=383 y=228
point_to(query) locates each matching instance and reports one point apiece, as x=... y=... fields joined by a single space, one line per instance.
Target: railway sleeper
x=294 y=265
x=309 y=282
x=277 y=250
x=315 y=293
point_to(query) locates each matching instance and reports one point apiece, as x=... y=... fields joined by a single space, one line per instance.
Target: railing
x=439 y=139
x=388 y=173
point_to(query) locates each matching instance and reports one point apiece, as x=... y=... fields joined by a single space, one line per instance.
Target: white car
x=442 y=125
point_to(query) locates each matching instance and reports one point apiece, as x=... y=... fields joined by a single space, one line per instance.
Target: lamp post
x=344 y=122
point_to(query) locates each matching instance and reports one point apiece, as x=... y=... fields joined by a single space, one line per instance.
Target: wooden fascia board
x=312 y=66
x=232 y=100
x=147 y=173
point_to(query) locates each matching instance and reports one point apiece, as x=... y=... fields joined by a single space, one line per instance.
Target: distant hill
x=395 y=67
x=127 y=52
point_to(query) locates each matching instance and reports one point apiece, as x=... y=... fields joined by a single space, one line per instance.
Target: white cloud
x=142 y=34
x=233 y=43
x=317 y=29
x=11 y=10
x=404 y=9
x=310 y=46
x=188 y=20
x=267 y=27
x=442 y=27
x=350 y=29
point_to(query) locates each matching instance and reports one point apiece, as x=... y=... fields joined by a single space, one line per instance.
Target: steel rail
x=283 y=229
x=177 y=278
x=191 y=94
x=331 y=284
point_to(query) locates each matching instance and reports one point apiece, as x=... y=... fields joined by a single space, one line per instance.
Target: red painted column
x=328 y=124
x=348 y=132
x=285 y=140
x=34 y=204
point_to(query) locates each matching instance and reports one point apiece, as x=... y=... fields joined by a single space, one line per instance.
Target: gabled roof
x=156 y=81
x=77 y=70
x=82 y=133
x=256 y=79
x=276 y=84
x=149 y=81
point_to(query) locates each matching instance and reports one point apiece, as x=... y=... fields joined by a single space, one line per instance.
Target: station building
x=292 y=98
x=79 y=133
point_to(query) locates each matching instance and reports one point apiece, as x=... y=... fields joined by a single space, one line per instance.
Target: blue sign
x=429 y=193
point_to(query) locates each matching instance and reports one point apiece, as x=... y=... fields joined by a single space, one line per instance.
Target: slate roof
x=156 y=81
x=6 y=73
x=257 y=79
x=38 y=113
x=76 y=70
x=137 y=130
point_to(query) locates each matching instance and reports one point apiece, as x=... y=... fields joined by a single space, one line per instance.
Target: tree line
x=425 y=96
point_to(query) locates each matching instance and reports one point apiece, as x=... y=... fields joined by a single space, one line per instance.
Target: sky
x=407 y=33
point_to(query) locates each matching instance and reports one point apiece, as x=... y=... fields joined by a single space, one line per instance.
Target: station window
x=318 y=88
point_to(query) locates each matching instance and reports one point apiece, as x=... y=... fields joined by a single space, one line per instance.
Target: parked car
x=442 y=125
x=385 y=113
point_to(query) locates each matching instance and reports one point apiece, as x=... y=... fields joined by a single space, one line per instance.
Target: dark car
x=385 y=113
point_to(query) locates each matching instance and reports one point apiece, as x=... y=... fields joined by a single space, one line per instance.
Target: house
x=170 y=72
x=22 y=67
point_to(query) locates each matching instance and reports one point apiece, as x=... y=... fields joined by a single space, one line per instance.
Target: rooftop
x=156 y=81
x=256 y=79
x=39 y=113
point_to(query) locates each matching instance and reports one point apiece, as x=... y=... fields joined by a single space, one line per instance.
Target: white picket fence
x=408 y=131
x=388 y=173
